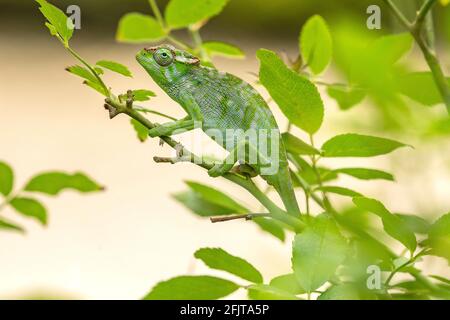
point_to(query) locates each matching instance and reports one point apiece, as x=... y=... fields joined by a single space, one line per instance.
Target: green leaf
x=6 y=178
x=340 y=292
x=138 y=28
x=296 y=146
x=59 y=21
x=115 y=66
x=391 y=48
x=97 y=87
x=439 y=237
x=30 y=208
x=198 y=205
x=266 y=292
x=317 y=252
x=288 y=283
x=82 y=72
x=366 y=174
x=216 y=48
x=192 y=288
x=182 y=13
x=54 y=182
x=442 y=279
x=393 y=225
x=51 y=28
x=339 y=190
x=142 y=95
x=296 y=96
x=216 y=197
x=316 y=44
x=271 y=226
x=141 y=130
x=8 y=225
x=355 y=50
x=356 y=145
x=415 y=223
x=420 y=87
x=219 y=259
x=98 y=70
x=345 y=96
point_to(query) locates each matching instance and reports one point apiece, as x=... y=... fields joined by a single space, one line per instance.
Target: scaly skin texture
x=220 y=102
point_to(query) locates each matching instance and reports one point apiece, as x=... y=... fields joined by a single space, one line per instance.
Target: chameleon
x=220 y=102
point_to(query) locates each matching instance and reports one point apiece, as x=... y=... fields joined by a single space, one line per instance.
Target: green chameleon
x=221 y=103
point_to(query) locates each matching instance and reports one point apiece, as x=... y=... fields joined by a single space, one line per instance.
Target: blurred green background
x=248 y=18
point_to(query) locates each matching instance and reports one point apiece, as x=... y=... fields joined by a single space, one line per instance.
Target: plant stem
x=198 y=43
x=10 y=197
x=247 y=216
x=396 y=270
x=178 y=42
x=436 y=70
x=416 y=29
x=157 y=13
x=400 y=16
x=79 y=58
x=307 y=202
x=314 y=160
x=145 y=110
x=423 y=12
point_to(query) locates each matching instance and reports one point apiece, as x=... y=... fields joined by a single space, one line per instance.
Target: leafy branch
x=48 y=183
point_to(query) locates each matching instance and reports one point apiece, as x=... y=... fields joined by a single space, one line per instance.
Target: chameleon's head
x=165 y=64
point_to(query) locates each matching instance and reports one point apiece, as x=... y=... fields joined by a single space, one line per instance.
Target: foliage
x=23 y=200
x=333 y=248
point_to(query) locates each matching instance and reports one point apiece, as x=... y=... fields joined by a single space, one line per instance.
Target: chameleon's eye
x=163 y=57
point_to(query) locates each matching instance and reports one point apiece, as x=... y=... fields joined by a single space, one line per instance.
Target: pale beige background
x=119 y=243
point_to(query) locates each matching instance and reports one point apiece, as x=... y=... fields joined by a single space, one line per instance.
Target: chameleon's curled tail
x=283 y=185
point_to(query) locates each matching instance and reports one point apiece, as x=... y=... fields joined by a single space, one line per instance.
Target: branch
x=157 y=13
x=416 y=31
x=116 y=107
x=423 y=12
x=248 y=216
x=400 y=16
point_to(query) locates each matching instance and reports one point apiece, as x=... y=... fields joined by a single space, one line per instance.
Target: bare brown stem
x=248 y=216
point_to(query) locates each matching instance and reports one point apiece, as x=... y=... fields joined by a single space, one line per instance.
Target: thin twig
x=248 y=216
x=406 y=23
x=415 y=29
x=423 y=12
x=157 y=13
